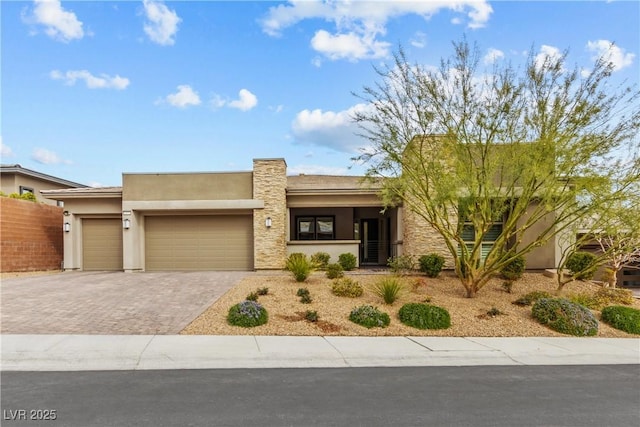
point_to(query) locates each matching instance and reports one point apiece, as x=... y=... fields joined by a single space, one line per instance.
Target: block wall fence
x=30 y=236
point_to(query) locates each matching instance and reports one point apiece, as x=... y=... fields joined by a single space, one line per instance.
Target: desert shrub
x=531 y=297
x=334 y=271
x=388 y=288
x=431 y=264
x=320 y=260
x=262 y=291
x=582 y=265
x=418 y=283
x=346 y=287
x=369 y=317
x=507 y=286
x=24 y=196
x=402 y=264
x=305 y=296
x=347 y=261
x=247 y=314
x=302 y=291
x=493 y=312
x=624 y=318
x=253 y=296
x=565 y=317
x=311 y=316
x=608 y=296
x=424 y=316
x=583 y=299
x=300 y=266
x=514 y=269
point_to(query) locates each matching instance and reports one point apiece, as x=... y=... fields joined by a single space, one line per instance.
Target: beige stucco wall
x=187 y=186
x=544 y=256
x=76 y=210
x=11 y=183
x=269 y=186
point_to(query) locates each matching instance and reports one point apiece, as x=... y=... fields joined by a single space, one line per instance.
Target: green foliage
x=388 y=288
x=262 y=291
x=424 y=316
x=334 y=271
x=602 y=298
x=253 y=296
x=346 y=287
x=624 y=318
x=402 y=264
x=431 y=264
x=247 y=314
x=311 y=316
x=300 y=266
x=305 y=296
x=582 y=265
x=369 y=317
x=320 y=260
x=348 y=261
x=565 y=317
x=531 y=297
x=507 y=286
x=29 y=196
x=514 y=269
x=493 y=312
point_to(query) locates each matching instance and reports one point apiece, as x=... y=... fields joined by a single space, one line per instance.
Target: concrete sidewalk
x=140 y=352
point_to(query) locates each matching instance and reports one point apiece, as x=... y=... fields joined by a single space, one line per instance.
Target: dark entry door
x=369 y=246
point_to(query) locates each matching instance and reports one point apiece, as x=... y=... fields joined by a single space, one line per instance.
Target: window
x=25 y=190
x=468 y=235
x=315 y=228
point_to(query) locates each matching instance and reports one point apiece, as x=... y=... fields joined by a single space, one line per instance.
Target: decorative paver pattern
x=109 y=302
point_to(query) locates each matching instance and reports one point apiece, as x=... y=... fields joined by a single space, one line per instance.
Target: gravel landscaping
x=469 y=317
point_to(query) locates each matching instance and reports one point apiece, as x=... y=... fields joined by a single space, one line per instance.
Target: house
x=19 y=180
x=239 y=221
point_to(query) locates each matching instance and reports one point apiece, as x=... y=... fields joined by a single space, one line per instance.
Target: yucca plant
x=389 y=289
x=300 y=266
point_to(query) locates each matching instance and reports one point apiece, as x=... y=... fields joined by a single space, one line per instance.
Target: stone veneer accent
x=419 y=238
x=270 y=185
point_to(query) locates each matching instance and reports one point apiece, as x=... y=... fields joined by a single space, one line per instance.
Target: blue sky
x=93 y=89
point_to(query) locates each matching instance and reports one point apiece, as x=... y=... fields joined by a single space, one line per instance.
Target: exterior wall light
x=126 y=223
x=66 y=227
x=267 y=222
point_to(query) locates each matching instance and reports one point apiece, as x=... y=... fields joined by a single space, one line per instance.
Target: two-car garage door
x=211 y=242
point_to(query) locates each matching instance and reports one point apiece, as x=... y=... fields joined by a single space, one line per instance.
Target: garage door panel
x=101 y=244
x=199 y=242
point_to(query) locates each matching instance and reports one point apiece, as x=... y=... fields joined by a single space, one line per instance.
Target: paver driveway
x=109 y=302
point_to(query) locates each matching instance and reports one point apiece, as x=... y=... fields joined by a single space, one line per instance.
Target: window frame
x=313 y=227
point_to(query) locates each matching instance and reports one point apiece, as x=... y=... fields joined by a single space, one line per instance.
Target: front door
x=370 y=241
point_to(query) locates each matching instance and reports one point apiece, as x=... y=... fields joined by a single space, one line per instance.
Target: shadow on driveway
x=110 y=302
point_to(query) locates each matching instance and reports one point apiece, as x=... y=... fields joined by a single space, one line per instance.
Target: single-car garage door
x=213 y=242
x=101 y=244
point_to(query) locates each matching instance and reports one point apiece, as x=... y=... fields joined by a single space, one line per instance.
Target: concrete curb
x=156 y=352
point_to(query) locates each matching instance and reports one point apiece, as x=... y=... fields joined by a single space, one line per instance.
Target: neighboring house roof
x=19 y=170
x=330 y=184
x=86 y=192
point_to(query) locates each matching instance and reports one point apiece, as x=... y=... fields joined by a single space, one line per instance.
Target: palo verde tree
x=463 y=148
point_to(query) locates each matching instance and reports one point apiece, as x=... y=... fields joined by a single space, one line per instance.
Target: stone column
x=270 y=185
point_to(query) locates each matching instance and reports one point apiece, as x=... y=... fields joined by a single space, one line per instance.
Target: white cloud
x=162 y=24
x=103 y=81
x=335 y=130
x=359 y=24
x=317 y=170
x=611 y=53
x=5 y=150
x=245 y=102
x=547 y=53
x=184 y=97
x=58 y=23
x=419 y=40
x=47 y=157
x=492 y=56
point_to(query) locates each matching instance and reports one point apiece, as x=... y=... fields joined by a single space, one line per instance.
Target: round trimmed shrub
x=424 y=316
x=514 y=269
x=247 y=314
x=431 y=264
x=624 y=318
x=531 y=297
x=346 y=287
x=348 y=261
x=369 y=317
x=320 y=260
x=582 y=265
x=565 y=317
x=334 y=271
